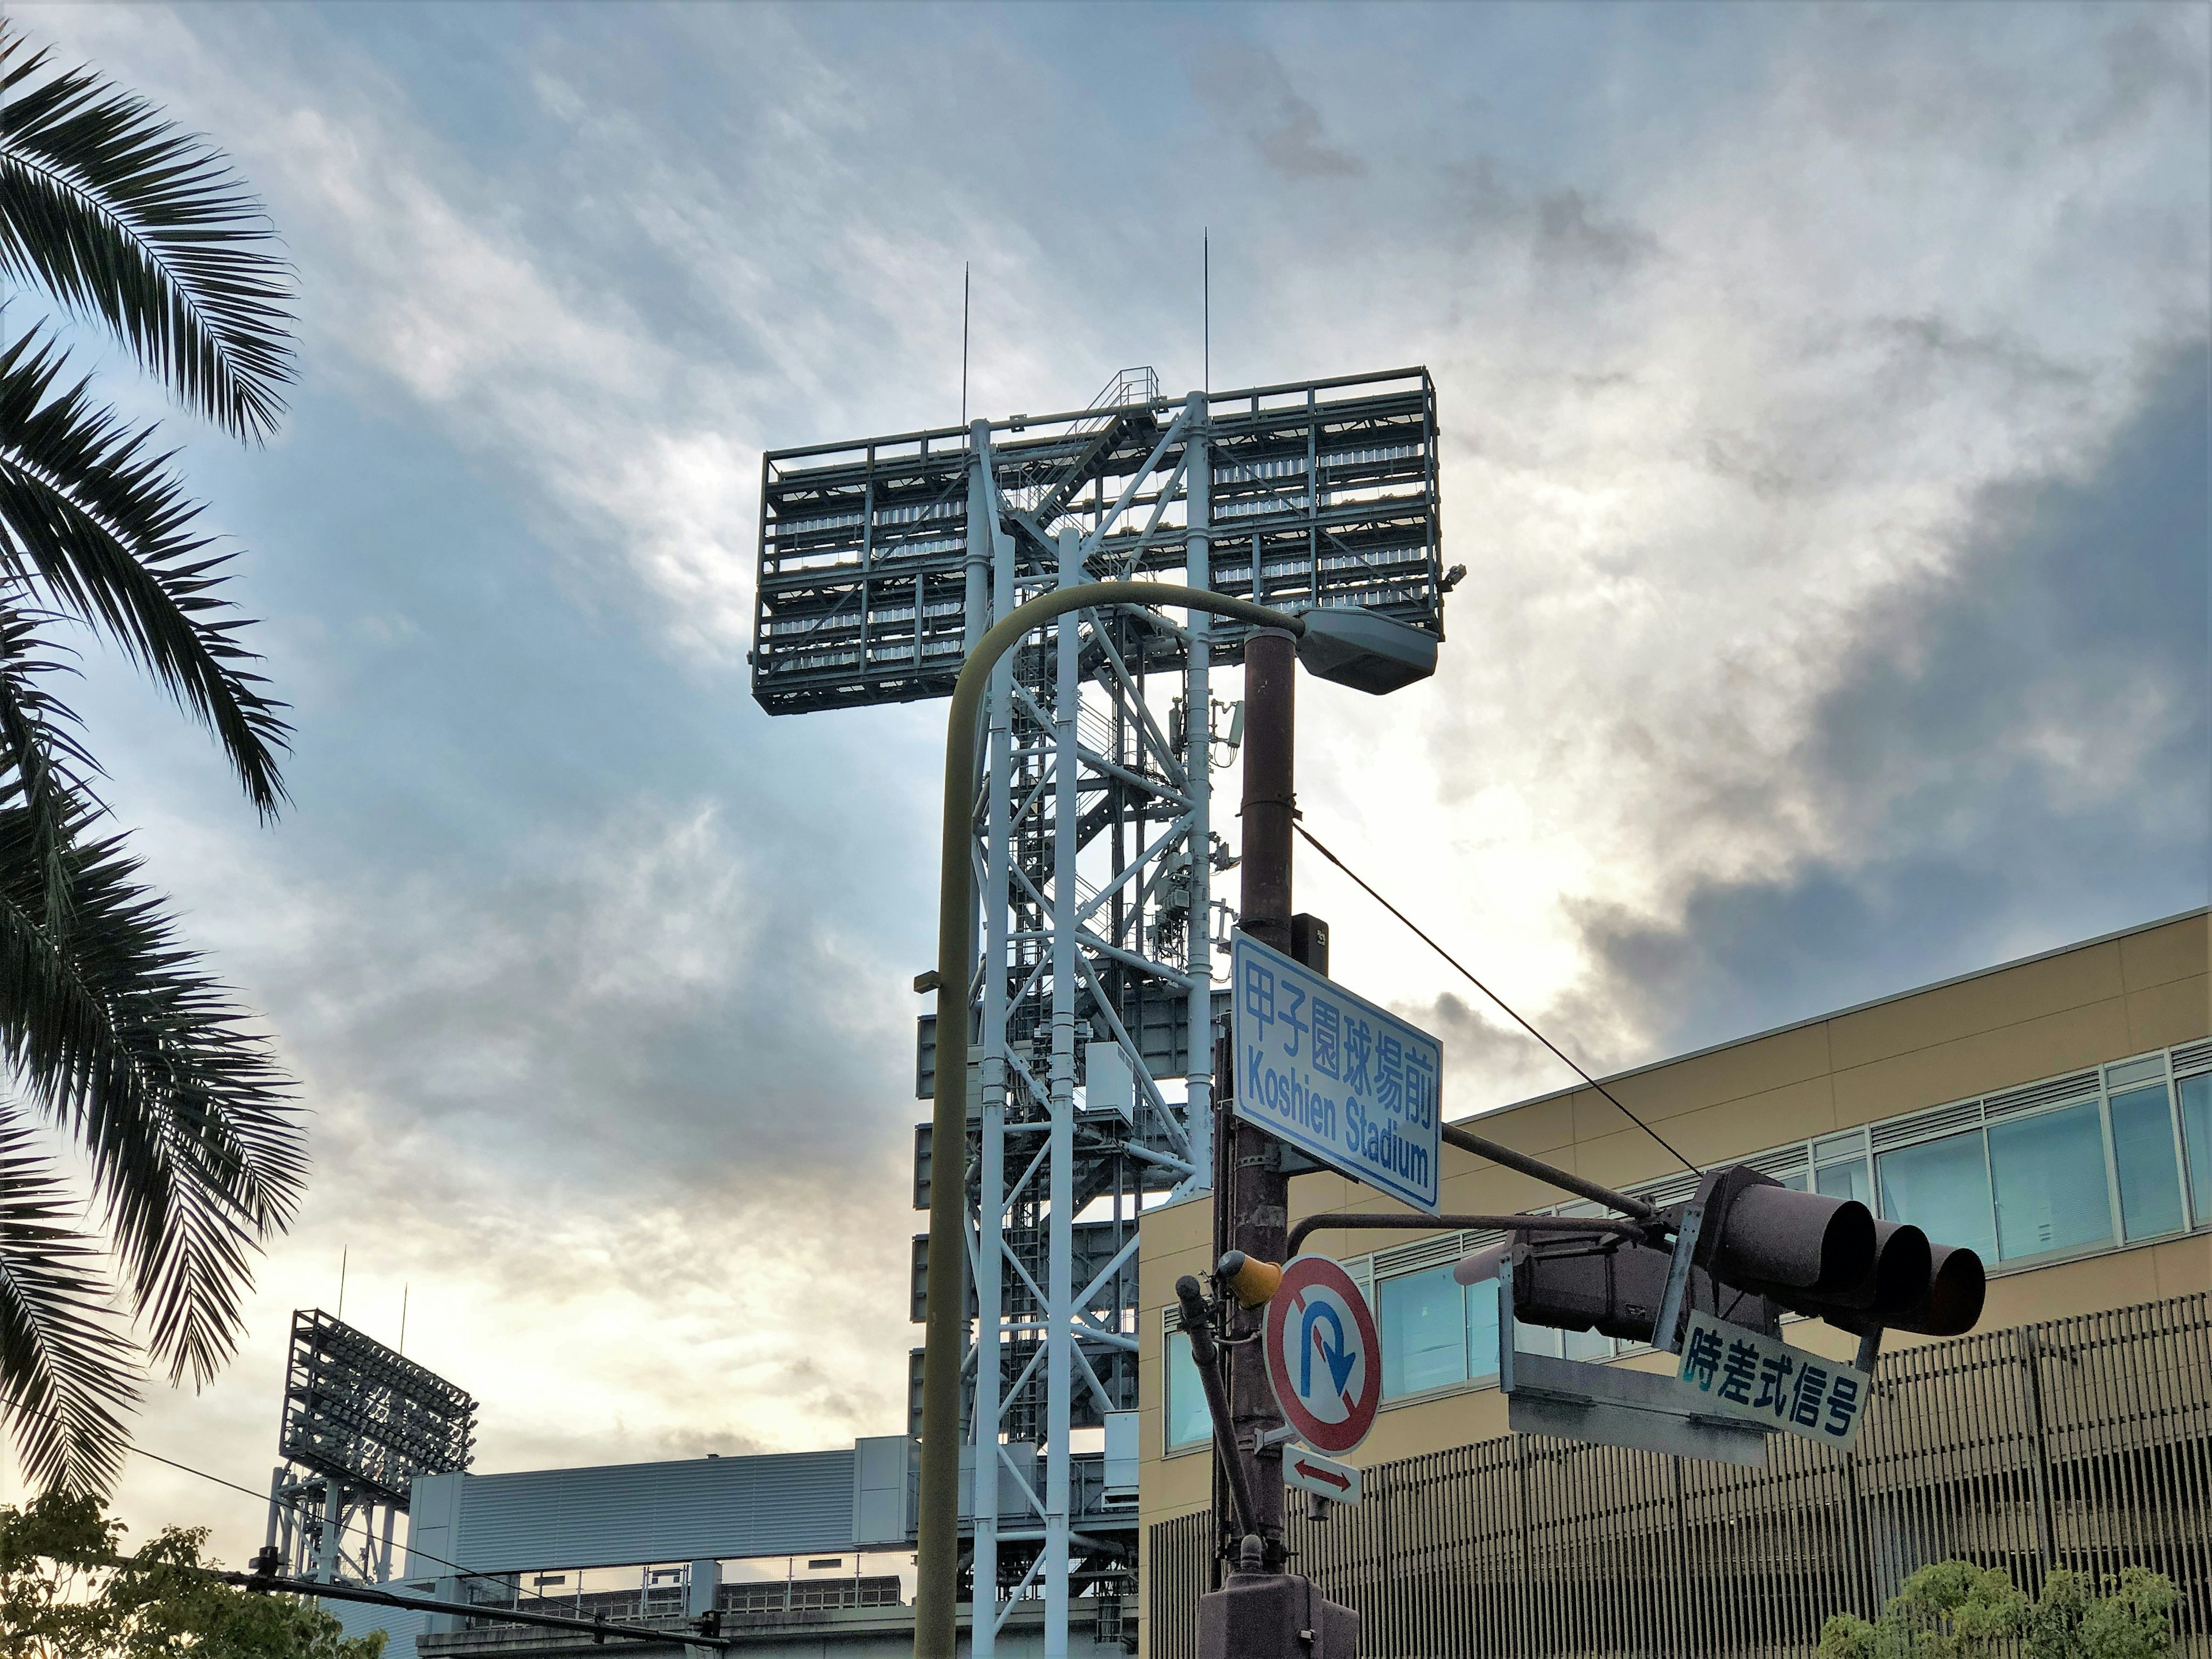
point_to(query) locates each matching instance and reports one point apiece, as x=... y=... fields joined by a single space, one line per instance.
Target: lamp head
x=1367 y=651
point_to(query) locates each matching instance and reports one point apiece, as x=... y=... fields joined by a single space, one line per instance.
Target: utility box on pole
x=1274 y=1615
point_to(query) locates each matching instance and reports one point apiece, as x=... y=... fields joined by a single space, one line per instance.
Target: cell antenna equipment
x=882 y=563
x=360 y=1422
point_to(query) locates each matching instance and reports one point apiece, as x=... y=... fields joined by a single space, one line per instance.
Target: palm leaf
x=101 y=524
x=194 y=1147
x=38 y=741
x=122 y=217
x=67 y=1367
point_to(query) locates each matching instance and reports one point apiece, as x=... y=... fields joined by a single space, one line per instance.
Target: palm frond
x=39 y=744
x=99 y=520
x=194 y=1145
x=123 y=217
x=67 y=1366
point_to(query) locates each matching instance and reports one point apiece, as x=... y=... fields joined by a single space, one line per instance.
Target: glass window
x=2197 y=1130
x=1189 y=1422
x=1482 y=1329
x=1845 y=1180
x=2142 y=1151
x=1424 y=1328
x=2049 y=1173
x=1943 y=1187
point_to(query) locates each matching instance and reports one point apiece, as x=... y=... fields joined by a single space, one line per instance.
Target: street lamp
x=1349 y=647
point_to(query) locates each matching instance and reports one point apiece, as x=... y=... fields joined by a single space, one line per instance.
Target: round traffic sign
x=1324 y=1361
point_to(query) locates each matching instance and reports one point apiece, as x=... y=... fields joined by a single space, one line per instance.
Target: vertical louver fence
x=2084 y=1443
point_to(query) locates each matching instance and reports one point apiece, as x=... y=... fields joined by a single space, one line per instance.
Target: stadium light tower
x=1090 y=1006
x=361 y=1421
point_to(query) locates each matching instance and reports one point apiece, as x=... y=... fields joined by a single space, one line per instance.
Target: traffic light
x=1950 y=1301
x=1761 y=1249
x=1608 y=1284
x=1829 y=1259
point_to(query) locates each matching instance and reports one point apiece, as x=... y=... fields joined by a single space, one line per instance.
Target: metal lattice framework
x=1326 y=488
x=882 y=563
x=361 y=1421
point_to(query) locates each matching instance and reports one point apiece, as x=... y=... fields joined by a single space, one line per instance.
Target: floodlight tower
x=361 y=1421
x=1092 y=1007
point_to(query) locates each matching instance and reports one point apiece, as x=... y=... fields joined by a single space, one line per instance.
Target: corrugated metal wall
x=2083 y=1443
x=786 y=1503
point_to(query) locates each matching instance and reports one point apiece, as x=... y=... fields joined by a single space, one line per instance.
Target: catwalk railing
x=2083 y=1443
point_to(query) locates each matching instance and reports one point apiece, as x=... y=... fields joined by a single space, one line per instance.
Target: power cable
x=262 y=1583
x=1464 y=972
x=263 y=1496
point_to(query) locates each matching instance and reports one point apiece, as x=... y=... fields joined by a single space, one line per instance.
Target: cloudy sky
x=1824 y=396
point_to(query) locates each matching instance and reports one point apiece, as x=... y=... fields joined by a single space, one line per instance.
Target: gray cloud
x=2018 y=751
x=1245 y=85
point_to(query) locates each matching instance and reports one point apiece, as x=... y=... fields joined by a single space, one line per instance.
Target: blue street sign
x=1345 y=1083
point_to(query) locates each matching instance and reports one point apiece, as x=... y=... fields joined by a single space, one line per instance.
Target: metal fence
x=2083 y=1443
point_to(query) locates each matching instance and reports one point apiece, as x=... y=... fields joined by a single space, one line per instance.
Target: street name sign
x=1324 y=1358
x=1323 y=1476
x=1731 y=1372
x=1347 y=1083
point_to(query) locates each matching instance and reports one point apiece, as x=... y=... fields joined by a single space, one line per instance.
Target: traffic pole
x=1256 y=1206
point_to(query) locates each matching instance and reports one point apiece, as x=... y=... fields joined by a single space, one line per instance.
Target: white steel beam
x=1198 y=768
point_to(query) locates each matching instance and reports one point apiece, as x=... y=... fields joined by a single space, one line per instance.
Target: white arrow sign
x=1312 y=1472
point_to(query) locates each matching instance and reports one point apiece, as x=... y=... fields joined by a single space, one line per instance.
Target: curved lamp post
x=937 y=1557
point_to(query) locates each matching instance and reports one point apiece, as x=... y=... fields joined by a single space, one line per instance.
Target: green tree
x=1955 y=1610
x=67 y=1591
x=114 y=1041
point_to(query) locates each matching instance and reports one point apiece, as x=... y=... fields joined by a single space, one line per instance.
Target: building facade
x=2054 y=1113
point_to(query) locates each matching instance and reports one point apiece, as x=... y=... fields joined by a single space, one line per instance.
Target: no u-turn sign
x=1324 y=1361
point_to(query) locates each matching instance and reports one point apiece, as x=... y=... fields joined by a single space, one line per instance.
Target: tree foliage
x=67 y=1591
x=1955 y=1610
x=112 y=1035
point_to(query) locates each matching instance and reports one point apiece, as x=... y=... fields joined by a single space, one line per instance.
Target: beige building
x=2055 y=1113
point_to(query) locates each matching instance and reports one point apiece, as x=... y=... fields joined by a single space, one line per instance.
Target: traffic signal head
x=1761 y=1247
x=1613 y=1284
x=1828 y=1257
x=1794 y=1248
x=1945 y=1301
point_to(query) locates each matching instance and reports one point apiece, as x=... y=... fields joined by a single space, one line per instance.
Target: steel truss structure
x=1093 y=1007
x=360 y=1422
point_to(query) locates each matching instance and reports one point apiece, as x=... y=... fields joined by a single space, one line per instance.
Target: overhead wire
x=263 y=1496
x=1467 y=973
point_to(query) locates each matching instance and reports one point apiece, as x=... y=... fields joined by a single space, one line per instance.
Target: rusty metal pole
x=1258 y=1201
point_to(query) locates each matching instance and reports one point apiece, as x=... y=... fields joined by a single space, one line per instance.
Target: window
x=1845 y=1180
x=2142 y=1148
x=2197 y=1130
x=1189 y=1424
x=1424 y=1328
x=2049 y=1173
x=1943 y=1187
